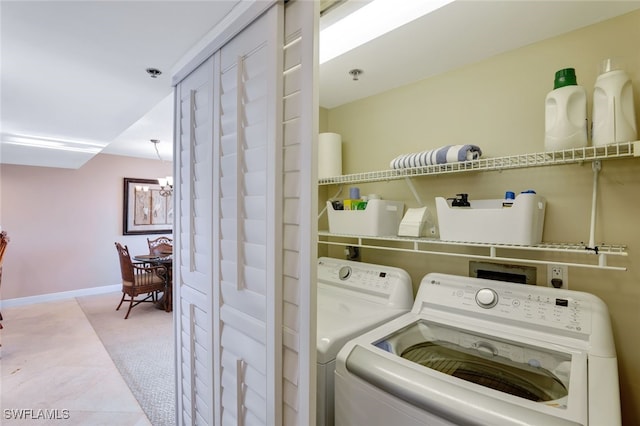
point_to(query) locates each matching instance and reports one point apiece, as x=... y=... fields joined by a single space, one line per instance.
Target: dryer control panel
x=389 y=285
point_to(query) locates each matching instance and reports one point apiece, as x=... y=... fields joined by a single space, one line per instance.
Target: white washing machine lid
x=376 y=357
x=342 y=317
x=530 y=372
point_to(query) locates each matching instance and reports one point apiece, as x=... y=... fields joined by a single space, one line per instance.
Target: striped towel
x=443 y=155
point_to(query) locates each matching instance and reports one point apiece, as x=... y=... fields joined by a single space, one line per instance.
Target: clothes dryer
x=481 y=352
x=353 y=297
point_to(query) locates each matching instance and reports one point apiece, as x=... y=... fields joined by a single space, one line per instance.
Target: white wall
x=63 y=224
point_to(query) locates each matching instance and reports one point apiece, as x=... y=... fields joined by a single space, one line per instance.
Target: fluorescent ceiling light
x=371 y=21
x=51 y=143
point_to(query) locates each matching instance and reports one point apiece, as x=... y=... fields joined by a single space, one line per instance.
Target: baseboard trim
x=30 y=300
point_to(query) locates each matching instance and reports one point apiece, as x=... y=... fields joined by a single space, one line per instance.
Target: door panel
x=192 y=276
x=246 y=219
x=247 y=144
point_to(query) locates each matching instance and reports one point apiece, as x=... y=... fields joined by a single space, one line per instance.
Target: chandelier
x=166 y=186
x=166 y=183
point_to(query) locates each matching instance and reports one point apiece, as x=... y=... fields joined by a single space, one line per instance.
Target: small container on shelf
x=509 y=198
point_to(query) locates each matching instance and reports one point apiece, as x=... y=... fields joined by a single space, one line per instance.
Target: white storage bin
x=380 y=218
x=486 y=221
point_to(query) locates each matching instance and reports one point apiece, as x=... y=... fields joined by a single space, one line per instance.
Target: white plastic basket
x=487 y=221
x=380 y=218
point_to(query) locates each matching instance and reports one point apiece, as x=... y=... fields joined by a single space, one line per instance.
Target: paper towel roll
x=329 y=155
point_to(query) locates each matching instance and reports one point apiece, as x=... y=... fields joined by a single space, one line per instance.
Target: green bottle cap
x=565 y=77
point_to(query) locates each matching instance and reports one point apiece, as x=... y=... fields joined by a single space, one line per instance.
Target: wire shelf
x=567 y=156
x=594 y=257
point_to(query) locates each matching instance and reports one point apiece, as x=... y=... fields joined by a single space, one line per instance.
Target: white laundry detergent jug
x=614 y=118
x=565 y=113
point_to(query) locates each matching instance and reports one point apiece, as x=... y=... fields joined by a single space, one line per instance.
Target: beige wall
x=498 y=104
x=63 y=224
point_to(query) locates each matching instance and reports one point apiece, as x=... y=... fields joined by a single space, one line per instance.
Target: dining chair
x=160 y=246
x=4 y=240
x=141 y=282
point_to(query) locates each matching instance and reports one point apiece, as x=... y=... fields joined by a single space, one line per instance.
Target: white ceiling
x=75 y=70
x=460 y=33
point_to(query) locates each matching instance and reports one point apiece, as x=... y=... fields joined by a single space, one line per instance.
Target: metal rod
x=413 y=191
x=602 y=259
x=325 y=206
x=596 y=166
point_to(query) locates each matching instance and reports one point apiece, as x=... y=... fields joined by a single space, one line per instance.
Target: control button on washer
x=344 y=272
x=486 y=298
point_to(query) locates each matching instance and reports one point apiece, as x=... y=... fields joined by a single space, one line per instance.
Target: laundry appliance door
x=342 y=315
x=470 y=377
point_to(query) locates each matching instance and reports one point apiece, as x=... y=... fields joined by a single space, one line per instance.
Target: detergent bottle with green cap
x=565 y=113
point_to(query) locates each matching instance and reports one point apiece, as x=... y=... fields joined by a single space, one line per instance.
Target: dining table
x=165 y=259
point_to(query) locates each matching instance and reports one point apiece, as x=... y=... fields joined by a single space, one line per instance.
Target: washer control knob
x=344 y=272
x=486 y=298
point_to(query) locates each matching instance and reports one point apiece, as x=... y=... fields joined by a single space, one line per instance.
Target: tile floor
x=53 y=366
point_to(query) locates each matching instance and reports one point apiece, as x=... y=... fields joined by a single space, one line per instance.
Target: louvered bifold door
x=300 y=126
x=248 y=251
x=193 y=247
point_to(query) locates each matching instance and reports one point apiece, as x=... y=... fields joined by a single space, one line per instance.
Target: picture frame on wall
x=145 y=209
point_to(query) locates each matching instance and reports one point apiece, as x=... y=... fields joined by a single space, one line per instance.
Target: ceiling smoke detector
x=355 y=73
x=153 y=72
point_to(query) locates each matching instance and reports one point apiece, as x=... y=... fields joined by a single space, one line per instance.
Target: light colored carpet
x=142 y=349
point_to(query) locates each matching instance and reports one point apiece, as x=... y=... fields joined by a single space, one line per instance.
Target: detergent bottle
x=565 y=113
x=614 y=118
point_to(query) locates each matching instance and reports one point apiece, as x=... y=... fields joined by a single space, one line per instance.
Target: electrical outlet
x=558 y=276
x=352 y=253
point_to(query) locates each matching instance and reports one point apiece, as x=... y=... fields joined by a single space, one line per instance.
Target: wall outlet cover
x=558 y=276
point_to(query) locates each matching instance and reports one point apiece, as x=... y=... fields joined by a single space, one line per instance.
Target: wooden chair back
x=160 y=246
x=140 y=279
x=126 y=267
x=4 y=241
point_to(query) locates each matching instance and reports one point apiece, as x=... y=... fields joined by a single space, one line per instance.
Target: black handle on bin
x=461 y=201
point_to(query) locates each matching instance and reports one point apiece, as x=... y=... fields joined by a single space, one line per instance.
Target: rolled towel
x=442 y=155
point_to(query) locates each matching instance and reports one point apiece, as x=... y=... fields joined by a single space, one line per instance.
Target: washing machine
x=481 y=352
x=353 y=297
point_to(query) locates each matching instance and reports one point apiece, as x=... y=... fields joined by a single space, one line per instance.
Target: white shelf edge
x=567 y=156
x=573 y=248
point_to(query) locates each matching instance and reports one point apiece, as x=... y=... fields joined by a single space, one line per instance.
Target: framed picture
x=145 y=209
